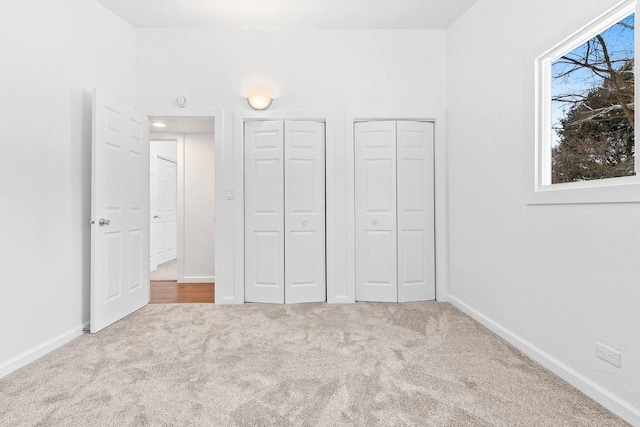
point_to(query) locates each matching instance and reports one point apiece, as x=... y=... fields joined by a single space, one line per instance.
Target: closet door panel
x=416 y=252
x=304 y=185
x=264 y=211
x=375 y=206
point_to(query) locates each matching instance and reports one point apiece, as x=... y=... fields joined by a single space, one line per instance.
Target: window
x=586 y=105
x=592 y=107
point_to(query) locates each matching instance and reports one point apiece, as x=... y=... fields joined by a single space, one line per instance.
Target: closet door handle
x=305 y=222
x=374 y=222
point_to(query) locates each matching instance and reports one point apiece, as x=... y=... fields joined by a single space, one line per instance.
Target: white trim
x=198 y=279
x=237 y=296
x=180 y=223
x=592 y=29
x=441 y=191
x=37 y=352
x=604 y=397
x=613 y=190
x=331 y=120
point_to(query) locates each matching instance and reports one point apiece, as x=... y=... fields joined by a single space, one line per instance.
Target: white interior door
x=119 y=208
x=153 y=262
x=165 y=212
x=304 y=211
x=375 y=209
x=264 y=211
x=416 y=251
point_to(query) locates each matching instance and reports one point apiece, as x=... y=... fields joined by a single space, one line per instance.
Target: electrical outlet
x=609 y=355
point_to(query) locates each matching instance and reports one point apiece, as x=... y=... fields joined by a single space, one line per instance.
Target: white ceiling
x=290 y=14
x=182 y=125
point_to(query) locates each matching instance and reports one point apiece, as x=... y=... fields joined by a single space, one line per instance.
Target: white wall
x=53 y=53
x=540 y=272
x=199 y=208
x=558 y=277
x=374 y=70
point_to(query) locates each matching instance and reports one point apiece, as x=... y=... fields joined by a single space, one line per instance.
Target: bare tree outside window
x=593 y=107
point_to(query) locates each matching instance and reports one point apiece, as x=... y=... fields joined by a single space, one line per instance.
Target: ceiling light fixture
x=259 y=102
x=158 y=125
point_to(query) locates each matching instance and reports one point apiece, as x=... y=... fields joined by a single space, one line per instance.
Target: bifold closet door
x=375 y=208
x=394 y=207
x=416 y=248
x=284 y=211
x=304 y=211
x=264 y=211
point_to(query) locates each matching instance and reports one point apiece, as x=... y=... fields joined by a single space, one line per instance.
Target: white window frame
x=609 y=190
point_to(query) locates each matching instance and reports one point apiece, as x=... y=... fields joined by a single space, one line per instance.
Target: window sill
x=613 y=190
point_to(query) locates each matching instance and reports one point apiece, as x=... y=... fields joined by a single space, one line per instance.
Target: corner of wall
x=37 y=352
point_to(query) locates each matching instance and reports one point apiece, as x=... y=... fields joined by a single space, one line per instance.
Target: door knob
x=374 y=222
x=156 y=217
x=104 y=222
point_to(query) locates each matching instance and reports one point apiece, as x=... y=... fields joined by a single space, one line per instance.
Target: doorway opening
x=182 y=209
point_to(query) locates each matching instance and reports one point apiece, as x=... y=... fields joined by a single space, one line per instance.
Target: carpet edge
x=612 y=402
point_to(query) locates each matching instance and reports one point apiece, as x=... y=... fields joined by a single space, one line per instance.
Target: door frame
x=331 y=121
x=441 y=188
x=217 y=115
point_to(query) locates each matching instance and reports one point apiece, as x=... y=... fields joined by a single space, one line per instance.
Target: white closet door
x=264 y=216
x=153 y=262
x=304 y=212
x=416 y=254
x=375 y=206
x=171 y=209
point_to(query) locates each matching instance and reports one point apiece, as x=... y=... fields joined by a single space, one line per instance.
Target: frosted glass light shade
x=259 y=102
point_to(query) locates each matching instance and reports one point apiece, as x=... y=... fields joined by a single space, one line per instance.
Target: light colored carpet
x=165 y=272
x=362 y=364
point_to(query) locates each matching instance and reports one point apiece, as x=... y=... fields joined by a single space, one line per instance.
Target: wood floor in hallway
x=173 y=292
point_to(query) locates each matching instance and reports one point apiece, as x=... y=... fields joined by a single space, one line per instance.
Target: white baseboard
x=37 y=352
x=604 y=397
x=198 y=279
